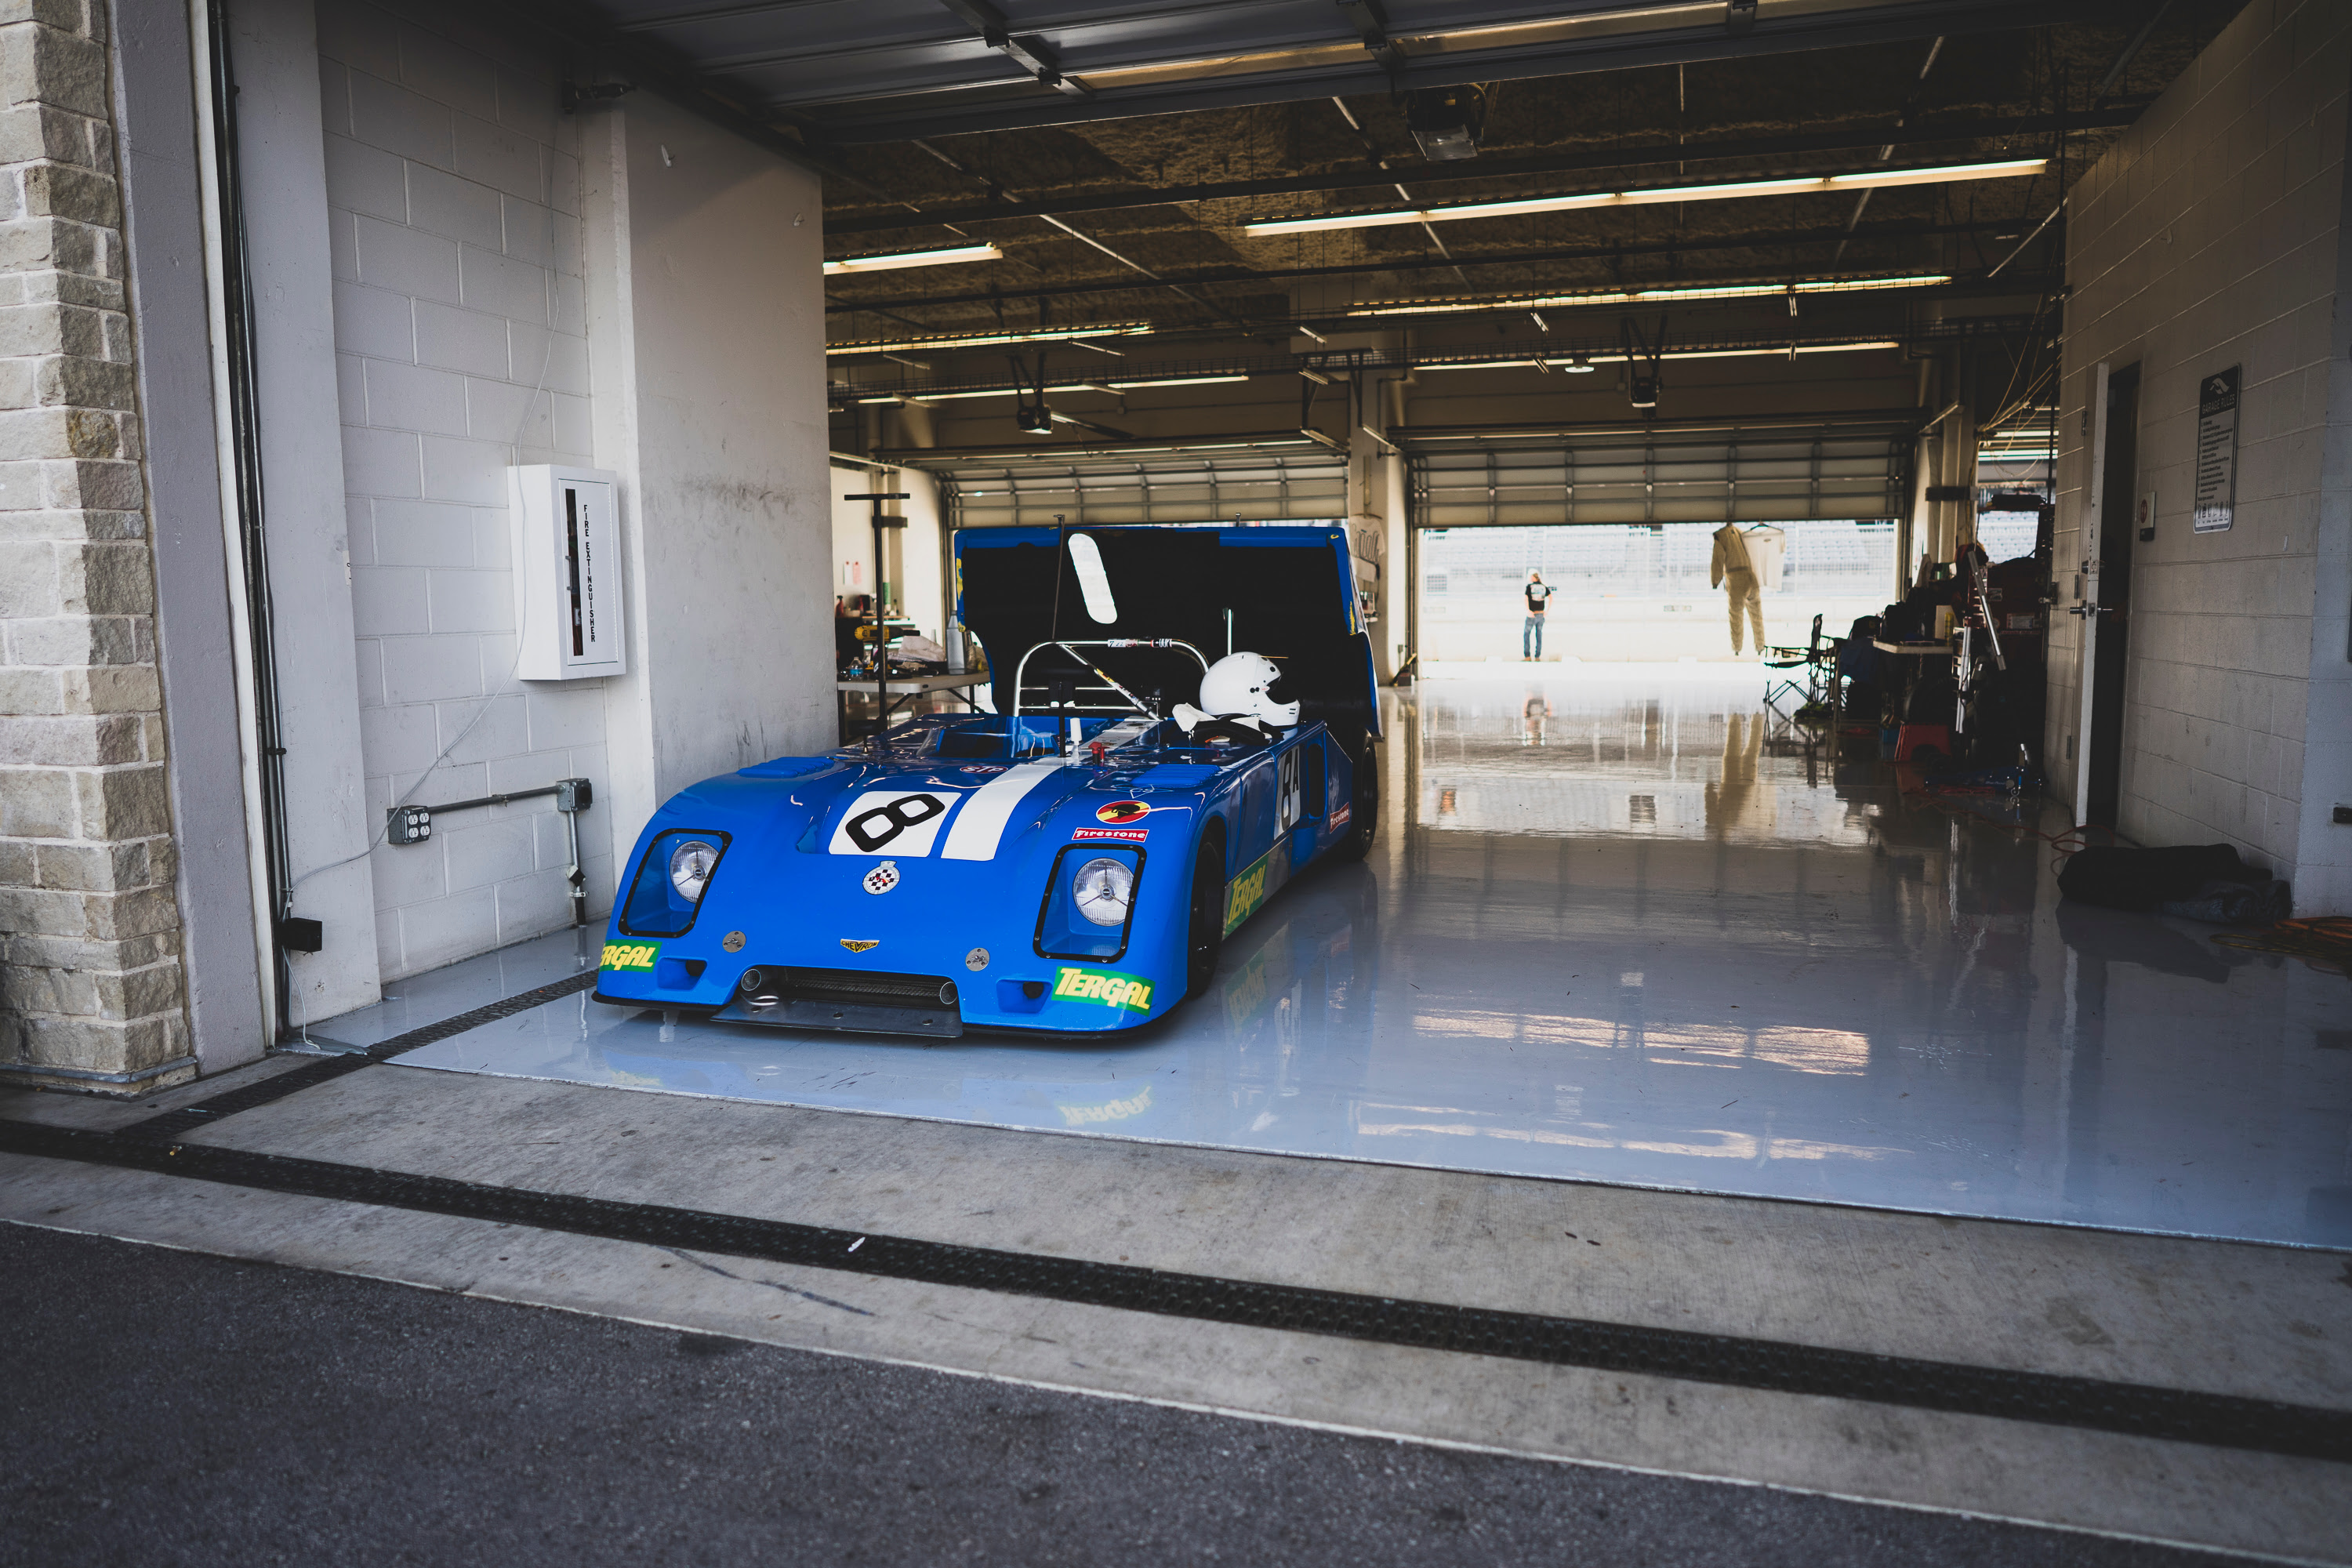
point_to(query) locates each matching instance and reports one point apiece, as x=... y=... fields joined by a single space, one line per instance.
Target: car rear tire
x=1205 y=937
x=1364 y=804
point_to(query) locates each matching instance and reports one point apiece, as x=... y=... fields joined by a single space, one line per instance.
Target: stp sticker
x=1340 y=817
x=1124 y=835
x=1120 y=811
x=882 y=878
x=630 y=954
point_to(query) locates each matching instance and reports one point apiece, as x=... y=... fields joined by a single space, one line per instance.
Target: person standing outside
x=1531 y=633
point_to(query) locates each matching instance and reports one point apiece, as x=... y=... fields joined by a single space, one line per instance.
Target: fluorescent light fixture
x=1783 y=353
x=1175 y=381
x=1454 y=305
x=920 y=397
x=1940 y=174
x=1587 y=362
x=2011 y=169
x=913 y=258
x=983 y=339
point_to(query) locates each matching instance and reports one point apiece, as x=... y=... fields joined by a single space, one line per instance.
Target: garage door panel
x=1731 y=479
x=1253 y=486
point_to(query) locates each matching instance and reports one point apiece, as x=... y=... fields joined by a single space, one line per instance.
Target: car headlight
x=690 y=869
x=1103 y=889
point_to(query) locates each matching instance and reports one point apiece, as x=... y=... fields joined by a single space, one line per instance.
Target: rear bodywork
x=921 y=884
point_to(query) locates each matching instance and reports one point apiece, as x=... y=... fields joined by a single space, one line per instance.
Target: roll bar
x=1071 y=648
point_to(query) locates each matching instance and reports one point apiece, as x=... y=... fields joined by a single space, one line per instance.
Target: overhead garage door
x=1664 y=475
x=1309 y=483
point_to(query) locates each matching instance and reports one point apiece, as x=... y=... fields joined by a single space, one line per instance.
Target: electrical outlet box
x=407 y=825
x=568 y=577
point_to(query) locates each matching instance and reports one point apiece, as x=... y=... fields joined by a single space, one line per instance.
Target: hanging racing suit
x=1731 y=570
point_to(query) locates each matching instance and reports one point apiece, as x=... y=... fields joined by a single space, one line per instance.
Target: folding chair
x=1807 y=688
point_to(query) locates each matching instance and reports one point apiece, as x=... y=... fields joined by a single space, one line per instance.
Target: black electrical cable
x=244 y=448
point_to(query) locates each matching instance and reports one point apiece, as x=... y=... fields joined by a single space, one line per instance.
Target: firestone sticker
x=630 y=954
x=1103 y=986
x=1123 y=834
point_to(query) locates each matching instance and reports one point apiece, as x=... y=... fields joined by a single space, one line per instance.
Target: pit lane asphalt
x=166 y=1408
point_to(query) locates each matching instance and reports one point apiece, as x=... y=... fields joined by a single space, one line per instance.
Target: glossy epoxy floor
x=1619 y=927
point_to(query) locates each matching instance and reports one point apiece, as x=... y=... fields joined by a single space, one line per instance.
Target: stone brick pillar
x=92 y=995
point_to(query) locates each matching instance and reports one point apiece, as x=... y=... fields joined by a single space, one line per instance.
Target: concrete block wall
x=453 y=183
x=2211 y=236
x=91 y=993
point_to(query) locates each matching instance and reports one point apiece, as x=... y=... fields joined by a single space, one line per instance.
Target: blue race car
x=1072 y=861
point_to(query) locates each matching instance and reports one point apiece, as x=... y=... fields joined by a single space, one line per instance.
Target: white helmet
x=1235 y=686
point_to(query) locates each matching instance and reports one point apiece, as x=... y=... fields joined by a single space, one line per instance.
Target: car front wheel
x=1206 y=936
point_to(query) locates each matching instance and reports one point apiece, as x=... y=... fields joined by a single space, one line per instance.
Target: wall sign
x=2217 y=450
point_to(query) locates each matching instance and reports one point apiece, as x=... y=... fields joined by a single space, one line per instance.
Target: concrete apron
x=2215 y=1317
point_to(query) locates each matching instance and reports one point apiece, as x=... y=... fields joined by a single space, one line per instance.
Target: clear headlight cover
x=1103 y=889
x=690 y=869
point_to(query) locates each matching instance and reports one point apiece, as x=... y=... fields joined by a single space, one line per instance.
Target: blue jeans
x=1531 y=638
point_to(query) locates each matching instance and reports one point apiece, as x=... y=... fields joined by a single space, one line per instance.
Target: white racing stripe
x=979 y=827
x=902 y=822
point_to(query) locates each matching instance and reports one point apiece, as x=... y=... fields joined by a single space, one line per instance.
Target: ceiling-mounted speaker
x=1447 y=123
x=1646 y=391
x=1034 y=418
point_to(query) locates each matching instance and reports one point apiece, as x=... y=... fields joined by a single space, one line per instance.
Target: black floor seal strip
x=2132 y=1409
x=168 y=1124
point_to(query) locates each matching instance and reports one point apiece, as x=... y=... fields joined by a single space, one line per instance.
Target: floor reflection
x=1636 y=931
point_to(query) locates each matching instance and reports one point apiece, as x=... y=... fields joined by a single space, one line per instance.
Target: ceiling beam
x=1759 y=241
x=1027 y=50
x=660 y=70
x=1707 y=335
x=904 y=117
x=1371 y=20
x=1880 y=135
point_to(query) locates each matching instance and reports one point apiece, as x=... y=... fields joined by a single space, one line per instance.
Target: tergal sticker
x=1245 y=892
x=630 y=954
x=1102 y=985
x=1124 y=835
x=1340 y=817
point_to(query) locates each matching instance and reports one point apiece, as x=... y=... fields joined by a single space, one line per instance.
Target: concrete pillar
x=1960 y=473
x=1397 y=586
x=281 y=145
x=1369 y=460
x=91 y=991
x=706 y=329
x=199 y=629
